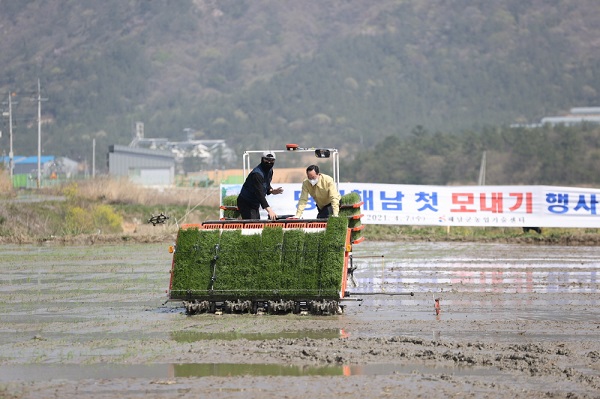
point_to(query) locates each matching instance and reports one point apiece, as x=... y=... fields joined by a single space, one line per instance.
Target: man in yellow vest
x=323 y=190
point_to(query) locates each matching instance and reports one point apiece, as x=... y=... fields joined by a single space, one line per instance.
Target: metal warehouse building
x=143 y=166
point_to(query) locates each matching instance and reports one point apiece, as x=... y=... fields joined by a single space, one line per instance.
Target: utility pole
x=482 y=168
x=93 y=158
x=39 y=118
x=10 y=137
x=8 y=114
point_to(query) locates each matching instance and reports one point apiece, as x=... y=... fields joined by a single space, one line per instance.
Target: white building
x=142 y=166
x=575 y=116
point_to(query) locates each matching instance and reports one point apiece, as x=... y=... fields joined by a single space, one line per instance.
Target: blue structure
x=25 y=169
x=26 y=165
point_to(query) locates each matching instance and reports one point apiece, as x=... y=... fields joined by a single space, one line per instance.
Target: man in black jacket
x=256 y=188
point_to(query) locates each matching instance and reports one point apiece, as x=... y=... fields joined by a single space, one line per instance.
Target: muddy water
x=449 y=272
x=509 y=317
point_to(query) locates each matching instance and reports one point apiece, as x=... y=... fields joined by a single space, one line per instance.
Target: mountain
x=343 y=73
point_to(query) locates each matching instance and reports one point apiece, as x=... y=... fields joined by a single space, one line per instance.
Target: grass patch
x=6 y=188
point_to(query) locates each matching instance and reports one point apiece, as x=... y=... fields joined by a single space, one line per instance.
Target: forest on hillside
x=546 y=155
x=348 y=74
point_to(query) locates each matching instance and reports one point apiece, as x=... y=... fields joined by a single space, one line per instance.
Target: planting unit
x=253 y=266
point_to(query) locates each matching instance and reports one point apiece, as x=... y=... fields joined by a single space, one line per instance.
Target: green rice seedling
x=230 y=200
x=232 y=265
x=332 y=256
x=307 y=281
x=228 y=265
x=349 y=213
x=292 y=261
x=270 y=255
x=194 y=259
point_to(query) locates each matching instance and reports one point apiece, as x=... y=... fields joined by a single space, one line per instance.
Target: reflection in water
x=511 y=278
x=193 y=336
x=73 y=372
x=231 y=370
x=553 y=270
x=480 y=281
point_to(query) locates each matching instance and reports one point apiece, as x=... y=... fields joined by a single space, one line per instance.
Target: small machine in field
x=259 y=266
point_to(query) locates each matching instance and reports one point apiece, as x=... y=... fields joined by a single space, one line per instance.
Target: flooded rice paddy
x=94 y=321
